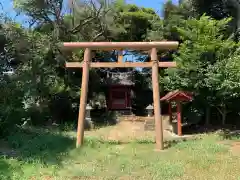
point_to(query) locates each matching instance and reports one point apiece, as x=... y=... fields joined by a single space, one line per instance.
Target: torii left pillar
x=83 y=97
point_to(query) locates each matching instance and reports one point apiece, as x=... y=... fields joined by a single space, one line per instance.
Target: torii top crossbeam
x=164 y=45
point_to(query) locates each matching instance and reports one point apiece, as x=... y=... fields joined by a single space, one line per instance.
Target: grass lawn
x=42 y=154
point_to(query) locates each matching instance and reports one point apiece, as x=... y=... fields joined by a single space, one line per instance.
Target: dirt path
x=235 y=148
x=127 y=131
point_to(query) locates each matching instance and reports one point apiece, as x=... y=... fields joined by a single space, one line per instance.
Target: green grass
x=42 y=154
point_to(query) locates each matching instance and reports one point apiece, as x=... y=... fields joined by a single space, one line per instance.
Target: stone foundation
x=88 y=124
x=149 y=124
x=167 y=125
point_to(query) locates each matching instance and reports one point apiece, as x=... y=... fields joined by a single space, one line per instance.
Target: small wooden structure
x=152 y=47
x=178 y=97
x=120 y=88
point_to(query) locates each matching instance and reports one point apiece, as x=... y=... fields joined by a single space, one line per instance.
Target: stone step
x=149 y=125
x=149 y=128
x=134 y=118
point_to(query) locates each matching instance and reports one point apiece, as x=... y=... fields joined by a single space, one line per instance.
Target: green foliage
x=134 y=20
x=11 y=106
x=207 y=62
x=41 y=89
x=203 y=46
x=219 y=9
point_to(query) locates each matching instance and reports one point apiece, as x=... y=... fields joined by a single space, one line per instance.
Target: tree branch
x=220 y=111
x=80 y=26
x=98 y=35
x=88 y=19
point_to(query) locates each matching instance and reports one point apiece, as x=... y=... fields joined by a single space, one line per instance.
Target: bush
x=11 y=106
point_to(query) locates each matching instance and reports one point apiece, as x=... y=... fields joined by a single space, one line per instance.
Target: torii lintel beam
x=163 y=45
x=120 y=65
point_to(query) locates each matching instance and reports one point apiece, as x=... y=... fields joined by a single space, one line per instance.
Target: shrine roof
x=177 y=96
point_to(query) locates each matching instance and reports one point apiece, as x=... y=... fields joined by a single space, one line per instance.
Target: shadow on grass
x=228 y=130
x=40 y=146
x=196 y=129
x=167 y=144
x=103 y=118
x=96 y=142
x=49 y=147
x=230 y=134
x=5 y=170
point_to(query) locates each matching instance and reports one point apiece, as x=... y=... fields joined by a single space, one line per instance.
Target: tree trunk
x=223 y=111
x=224 y=116
x=207 y=121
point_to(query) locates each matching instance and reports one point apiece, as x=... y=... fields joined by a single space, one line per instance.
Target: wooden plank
x=120 y=65
x=156 y=100
x=164 y=45
x=83 y=98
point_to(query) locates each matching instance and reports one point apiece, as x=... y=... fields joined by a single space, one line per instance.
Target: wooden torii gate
x=154 y=64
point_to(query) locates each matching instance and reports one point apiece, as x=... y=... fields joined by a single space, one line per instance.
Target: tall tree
x=42 y=62
x=205 y=51
x=219 y=9
x=11 y=106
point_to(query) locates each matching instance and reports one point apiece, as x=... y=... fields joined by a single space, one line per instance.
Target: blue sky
x=157 y=5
